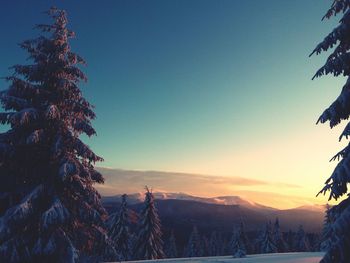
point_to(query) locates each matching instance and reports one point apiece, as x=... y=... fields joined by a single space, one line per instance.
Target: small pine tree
x=278 y=238
x=170 y=248
x=266 y=244
x=338 y=63
x=194 y=245
x=149 y=244
x=119 y=231
x=301 y=243
x=50 y=211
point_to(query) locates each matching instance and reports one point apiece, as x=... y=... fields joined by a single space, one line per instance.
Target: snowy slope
x=305 y=257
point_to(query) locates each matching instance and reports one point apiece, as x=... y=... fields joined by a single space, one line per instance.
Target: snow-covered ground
x=307 y=257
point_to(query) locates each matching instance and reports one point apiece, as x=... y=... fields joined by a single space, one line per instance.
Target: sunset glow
x=233 y=98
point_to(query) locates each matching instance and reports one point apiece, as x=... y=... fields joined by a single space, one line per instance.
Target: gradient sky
x=212 y=87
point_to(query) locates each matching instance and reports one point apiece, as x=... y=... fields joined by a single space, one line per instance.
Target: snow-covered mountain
x=182 y=210
x=131 y=181
x=222 y=200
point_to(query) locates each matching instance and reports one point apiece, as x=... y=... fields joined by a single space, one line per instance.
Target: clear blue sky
x=179 y=83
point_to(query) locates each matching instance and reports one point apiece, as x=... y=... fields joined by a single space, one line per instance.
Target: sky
x=219 y=87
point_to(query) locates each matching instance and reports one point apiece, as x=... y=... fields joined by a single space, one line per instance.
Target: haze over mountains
x=181 y=211
x=220 y=200
x=208 y=187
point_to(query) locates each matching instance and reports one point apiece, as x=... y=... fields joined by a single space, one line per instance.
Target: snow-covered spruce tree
x=239 y=251
x=301 y=242
x=327 y=231
x=290 y=241
x=244 y=238
x=338 y=63
x=315 y=242
x=149 y=244
x=204 y=246
x=238 y=248
x=226 y=245
x=119 y=231
x=194 y=245
x=215 y=245
x=231 y=241
x=241 y=235
x=133 y=240
x=266 y=244
x=278 y=238
x=170 y=248
x=50 y=211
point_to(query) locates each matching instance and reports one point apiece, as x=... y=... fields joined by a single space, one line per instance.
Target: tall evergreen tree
x=119 y=231
x=170 y=246
x=266 y=244
x=194 y=245
x=149 y=243
x=278 y=238
x=49 y=209
x=301 y=243
x=338 y=63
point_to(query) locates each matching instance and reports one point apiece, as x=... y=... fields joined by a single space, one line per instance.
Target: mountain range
x=275 y=194
x=182 y=211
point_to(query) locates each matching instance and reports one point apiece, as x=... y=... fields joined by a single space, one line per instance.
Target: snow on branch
x=12 y=103
x=52 y=112
x=337 y=182
x=24 y=116
x=84 y=151
x=18 y=214
x=56 y=214
x=339 y=109
x=35 y=137
x=15 y=250
x=57 y=241
x=89 y=214
x=22 y=88
x=68 y=168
